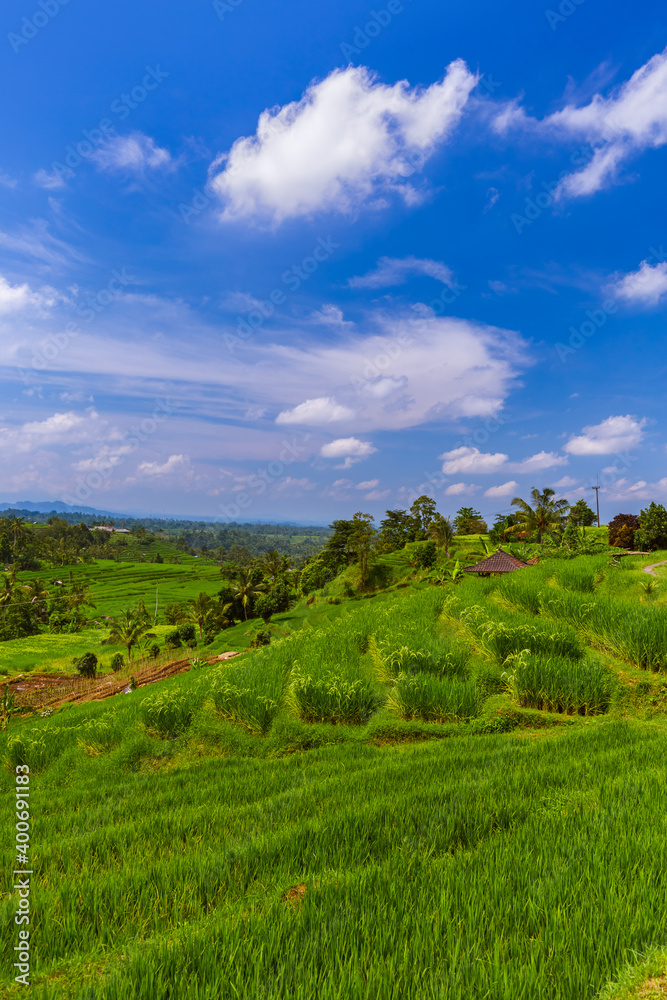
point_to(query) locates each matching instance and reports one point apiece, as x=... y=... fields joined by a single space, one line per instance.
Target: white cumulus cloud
x=173 y=464
x=459 y=489
x=471 y=460
x=613 y=434
x=351 y=449
x=315 y=412
x=645 y=287
x=348 y=139
x=505 y=490
x=543 y=460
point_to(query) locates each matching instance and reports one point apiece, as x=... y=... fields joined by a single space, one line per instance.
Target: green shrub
x=187 y=633
x=154 y=650
x=86 y=664
x=117 y=662
x=173 y=639
x=262 y=638
x=434 y=699
x=168 y=713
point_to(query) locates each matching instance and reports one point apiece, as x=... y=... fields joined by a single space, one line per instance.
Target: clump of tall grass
x=99 y=736
x=558 y=684
x=435 y=657
x=168 y=713
x=499 y=639
x=252 y=692
x=434 y=699
x=333 y=698
x=523 y=589
x=38 y=746
x=581 y=579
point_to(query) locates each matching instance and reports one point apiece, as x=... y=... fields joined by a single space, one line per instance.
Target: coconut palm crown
x=544 y=516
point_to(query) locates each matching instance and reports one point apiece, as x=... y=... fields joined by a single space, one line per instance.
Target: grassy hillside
x=425 y=792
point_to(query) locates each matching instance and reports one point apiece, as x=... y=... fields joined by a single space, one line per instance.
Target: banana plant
x=7 y=707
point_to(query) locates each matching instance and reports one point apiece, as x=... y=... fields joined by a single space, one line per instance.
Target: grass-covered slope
x=439 y=792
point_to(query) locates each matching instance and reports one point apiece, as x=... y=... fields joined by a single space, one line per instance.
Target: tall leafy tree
x=652 y=531
x=622 y=530
x=581 y=515
x=338 y=551
x=423 y=510
x=361 y=542
x=469 y=521
x=441 y=530
x=396 y=529
x=544 y=515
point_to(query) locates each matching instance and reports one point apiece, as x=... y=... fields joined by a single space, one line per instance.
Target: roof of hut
x=499 y=562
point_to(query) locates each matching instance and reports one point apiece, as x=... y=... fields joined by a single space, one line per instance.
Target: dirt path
x=53 y=690
x=649 y=569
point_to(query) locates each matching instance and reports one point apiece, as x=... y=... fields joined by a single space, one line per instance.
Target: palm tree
x=272 y=563
x=441 y=531
x=18 y=529
x=245 y=589
x=37 y=593
x=128 y=629
x=546 y=514
x=199 y=611
x=7 y=592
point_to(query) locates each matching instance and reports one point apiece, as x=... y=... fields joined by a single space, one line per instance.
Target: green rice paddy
x=439 y=794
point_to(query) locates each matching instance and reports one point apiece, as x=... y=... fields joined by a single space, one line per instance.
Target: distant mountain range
x=57 y=506
x=46 y=506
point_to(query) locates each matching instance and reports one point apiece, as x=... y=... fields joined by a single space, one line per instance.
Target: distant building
x=118 y=531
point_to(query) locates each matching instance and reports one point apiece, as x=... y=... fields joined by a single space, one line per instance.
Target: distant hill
x=24 y=508
x=47 y=506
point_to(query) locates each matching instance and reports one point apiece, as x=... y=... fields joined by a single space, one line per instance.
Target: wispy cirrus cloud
x=132 y=154
x=396 y=271
x=349 y=140
x=630 y=120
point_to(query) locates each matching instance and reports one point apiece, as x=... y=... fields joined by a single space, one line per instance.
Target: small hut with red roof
x=499 y=562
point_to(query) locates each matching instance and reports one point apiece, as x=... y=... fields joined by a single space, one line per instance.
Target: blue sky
x=299 y=260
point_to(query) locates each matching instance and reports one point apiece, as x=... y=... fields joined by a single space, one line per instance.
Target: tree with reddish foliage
x=622 y=530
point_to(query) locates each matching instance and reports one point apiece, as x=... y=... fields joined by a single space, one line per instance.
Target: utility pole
x=597 y=501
